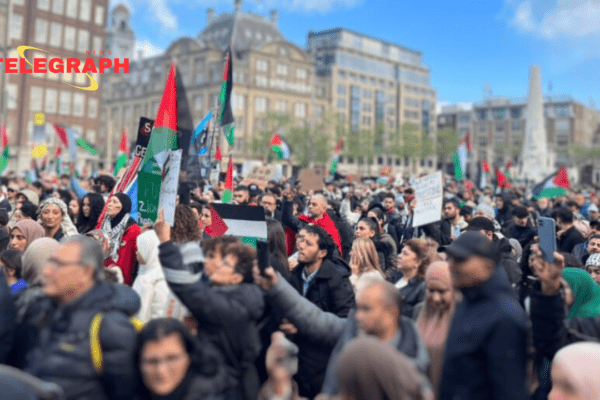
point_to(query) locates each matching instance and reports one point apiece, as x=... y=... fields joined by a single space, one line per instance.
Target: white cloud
x=163 y=14
x=144 y=49
x=559 y=19
x=321 y=6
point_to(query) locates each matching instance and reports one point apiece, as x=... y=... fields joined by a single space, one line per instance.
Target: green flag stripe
x=85 y=145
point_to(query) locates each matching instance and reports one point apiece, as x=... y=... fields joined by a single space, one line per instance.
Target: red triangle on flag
x=124 y=145
x=218 y=155
x=58 y=151
x=62 y=135
x=508 y=165
x=167 y=111
x=217 y=225
x=562 y=178
x=486 y=166
x=501 y=178
x=229 y=177
x=4 y=135
x=276 y=140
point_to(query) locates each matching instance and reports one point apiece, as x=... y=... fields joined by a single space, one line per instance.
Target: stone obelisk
x=535 y=159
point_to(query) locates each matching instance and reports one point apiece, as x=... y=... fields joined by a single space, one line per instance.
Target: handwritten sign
x=168 y=188
x=311 y=179
x=260 y=176
x=429 y=194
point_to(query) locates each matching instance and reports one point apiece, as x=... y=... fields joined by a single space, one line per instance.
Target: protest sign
x=260 y=176
x=311 y=179
x=168 y=188
x=143 y=136
x=429 y=194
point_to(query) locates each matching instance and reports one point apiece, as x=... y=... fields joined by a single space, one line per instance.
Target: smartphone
x=547 y=236
x=262 y=250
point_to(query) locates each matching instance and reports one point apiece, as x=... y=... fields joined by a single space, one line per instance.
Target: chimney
x=274 y=17
x=210 y=14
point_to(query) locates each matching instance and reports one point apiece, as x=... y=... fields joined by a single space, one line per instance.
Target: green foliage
x=447 y=143
x=260 y=142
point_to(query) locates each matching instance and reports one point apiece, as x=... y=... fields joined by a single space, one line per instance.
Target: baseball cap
x=593 y=208
x=469 y=244
x=481 y=223
x=486 y=209
x=254 y=190
x=593 y=260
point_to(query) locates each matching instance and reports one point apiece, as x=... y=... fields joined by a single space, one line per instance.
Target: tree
x=447 y=143
x=274 y=122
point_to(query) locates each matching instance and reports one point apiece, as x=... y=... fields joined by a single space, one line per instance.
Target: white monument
x=536 y=161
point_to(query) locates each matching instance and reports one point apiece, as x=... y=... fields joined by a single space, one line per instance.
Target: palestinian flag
x=501 y=179
x=218 y=155
x=509 y=171
x=62 y=135
x=5 y=157
x=555 y=185
x=460 y=159
x=280 y=147
x=246 y=222
x=336 y=157
x=226 y=114
x=228 y=193
x=484 y=174
x=123 y=152
x=385 y=175
x=162 y=139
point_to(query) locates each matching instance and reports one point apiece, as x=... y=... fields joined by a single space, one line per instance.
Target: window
x=499 y=140
x=367 y=107
x=56 y=30
x=500 y=126
x=71 y=8
x=562 y=124
x=281 y=106
x=482 y=127
x=58 y=7
x=83 y=41
x=516 y=125
x=97 y=43
x=341 y=89
x=51 y=101
x=16 y=27
x=198 y=102
x=282 y=69
x=69 y=38
x=65 y=103
x=515 y=112
x=78 y=104
x=262 y=81
x=262 y=65
x=260 y=104
x=341 y=74
x=239 y=102
x=85 y=10
x=99 y=15
x=41 y=30
x=300 y=111
x=67 y=76
x=301 y=73
x=43 y=5
x=36 y=95
x=499 y=113
x=341 y=103
x=483 y=141
x=12 y=96
x=481 y=114
x=464 y=119
x=367 y=94
x=562 y=111
x=366 y=120
x=92 y=107
x=562 y=140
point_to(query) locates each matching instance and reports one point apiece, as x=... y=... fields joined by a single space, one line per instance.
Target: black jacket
x=508 y=262
x=63 y=354
x=7 y=320
x=581 y=252
x=524 y=234
x=486 y=346
x=227 y=316
x=332 y=292
x=569 y=239
x=438 y=231
x=412 y=294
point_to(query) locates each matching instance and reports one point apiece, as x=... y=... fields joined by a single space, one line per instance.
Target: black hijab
x=126 y=204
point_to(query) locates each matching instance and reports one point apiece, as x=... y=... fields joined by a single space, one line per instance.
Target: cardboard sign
x=311 y=179
x=259 y=176
x=429 y=194
x=143 y=136
x=170 y=181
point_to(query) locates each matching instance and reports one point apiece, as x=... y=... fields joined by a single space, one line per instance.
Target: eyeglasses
x=170 y=361
x=53 y=262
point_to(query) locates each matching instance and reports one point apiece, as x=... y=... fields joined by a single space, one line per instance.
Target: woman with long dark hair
x=276 y=238
x=173 y=365
x=89 y=212
x=185 y=229
x=122 y=232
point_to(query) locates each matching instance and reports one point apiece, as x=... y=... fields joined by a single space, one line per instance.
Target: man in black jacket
x=487 y=341
x=325 y=283
x=568 y=235
x=81 y=306
x=521 y=228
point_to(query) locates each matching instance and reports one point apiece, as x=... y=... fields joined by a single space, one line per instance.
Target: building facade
x=64 y=29
x=270 y=75
x=369 y=82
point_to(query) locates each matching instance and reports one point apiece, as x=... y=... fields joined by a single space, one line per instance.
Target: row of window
x=54 y=101
x=363 y=79
x=73 y=39
x=70 y=8
x=399 y=162
x=517 y=112
x=561 y=140
x=281 y=69
x=417 y=90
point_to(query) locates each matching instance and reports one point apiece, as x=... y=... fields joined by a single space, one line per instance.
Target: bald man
x=317 y=215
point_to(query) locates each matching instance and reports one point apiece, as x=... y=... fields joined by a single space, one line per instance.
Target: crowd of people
x=359 y=301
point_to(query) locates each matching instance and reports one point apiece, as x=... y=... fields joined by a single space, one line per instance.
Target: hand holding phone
x=262 y=249
x=547 y=238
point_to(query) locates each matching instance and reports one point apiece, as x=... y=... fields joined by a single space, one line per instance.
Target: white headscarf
x=147 y=245
x=581 y=362
x=67 y=226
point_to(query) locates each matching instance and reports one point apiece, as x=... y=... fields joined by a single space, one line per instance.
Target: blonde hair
x=365 y=254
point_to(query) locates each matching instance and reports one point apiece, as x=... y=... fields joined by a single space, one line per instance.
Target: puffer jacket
x=227 y=317
x=63 y=353
x=331 y=291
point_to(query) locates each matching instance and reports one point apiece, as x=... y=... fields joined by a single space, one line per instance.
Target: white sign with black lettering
x=429 y=193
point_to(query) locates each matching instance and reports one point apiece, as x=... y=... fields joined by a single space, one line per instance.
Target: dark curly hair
x=86 y=224
x=186 y=228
